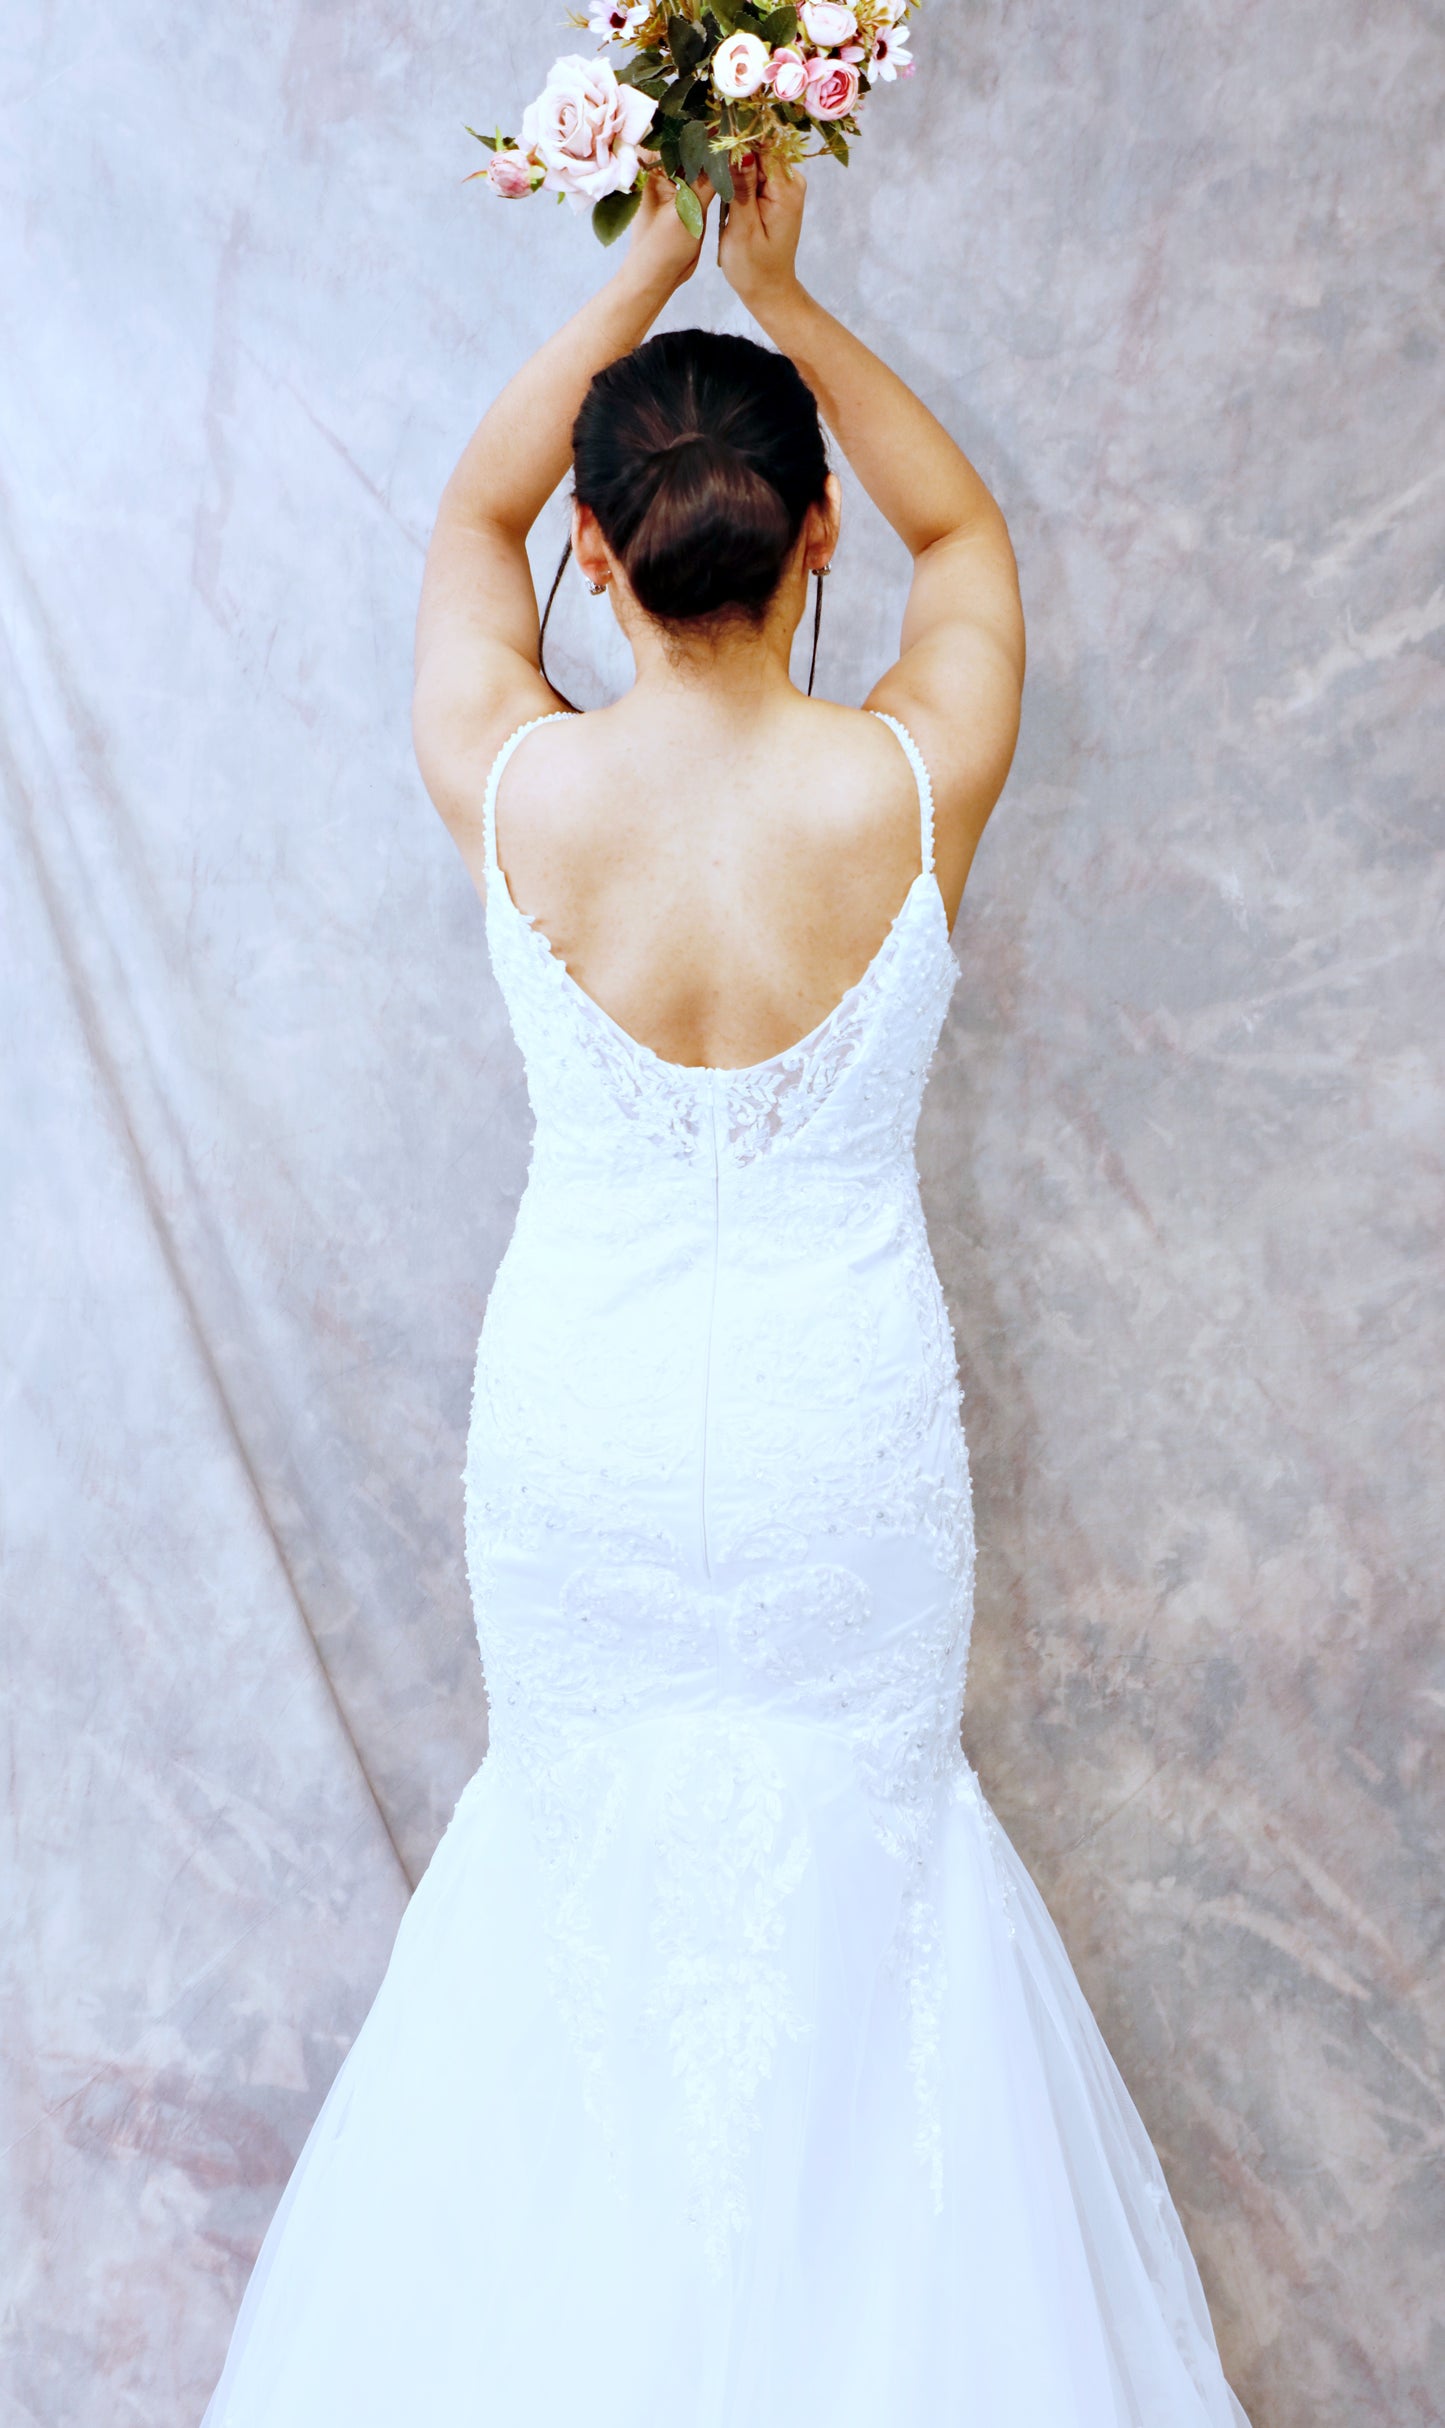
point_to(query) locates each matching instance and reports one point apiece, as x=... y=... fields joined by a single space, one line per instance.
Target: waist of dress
x=900 y=1753
x=568 y=1160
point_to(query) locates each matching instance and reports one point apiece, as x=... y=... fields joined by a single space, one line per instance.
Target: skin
x=714 y=856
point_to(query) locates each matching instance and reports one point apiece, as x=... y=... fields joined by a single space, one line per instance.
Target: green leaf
x=692 y=147
x=726 y=13
x=780 y=25
x=835 y=142
x=686 y=41
x=494 y=143
x=674 y=100
x=613 y=213
x=716 y=165
x=644 y=68
x=689 y=211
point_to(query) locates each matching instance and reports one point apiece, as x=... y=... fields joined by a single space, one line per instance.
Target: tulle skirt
x=500 y=2222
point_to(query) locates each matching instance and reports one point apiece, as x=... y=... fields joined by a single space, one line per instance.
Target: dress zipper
x=711 y=1317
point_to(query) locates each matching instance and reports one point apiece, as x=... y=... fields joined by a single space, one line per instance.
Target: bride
x=728 y=2071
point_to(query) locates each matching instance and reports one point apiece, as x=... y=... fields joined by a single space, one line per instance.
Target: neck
x=728 y=675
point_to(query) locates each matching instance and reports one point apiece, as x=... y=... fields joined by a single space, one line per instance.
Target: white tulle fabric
x=728 y=2072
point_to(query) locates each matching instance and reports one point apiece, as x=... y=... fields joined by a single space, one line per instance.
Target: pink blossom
x=832 y=88
x=891 y=56
x=614 y=20
x=828 y=22
x=583 y=130
x=510 y=174
x=788 y=74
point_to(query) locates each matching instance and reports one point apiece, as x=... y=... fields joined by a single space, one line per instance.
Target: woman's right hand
x=758 y=243
x=660 y=245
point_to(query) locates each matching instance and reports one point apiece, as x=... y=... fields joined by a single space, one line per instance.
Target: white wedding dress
x=728 y=2071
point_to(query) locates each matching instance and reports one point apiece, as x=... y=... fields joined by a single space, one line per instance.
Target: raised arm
x=958 y=681
x=477 y=674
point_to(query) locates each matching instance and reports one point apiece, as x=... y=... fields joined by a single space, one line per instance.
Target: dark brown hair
x=700 y=455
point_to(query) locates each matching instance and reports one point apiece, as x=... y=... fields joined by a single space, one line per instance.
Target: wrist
x=643 y=289
x=778 y=304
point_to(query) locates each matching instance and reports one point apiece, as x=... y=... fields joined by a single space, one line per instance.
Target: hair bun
x=700 y=454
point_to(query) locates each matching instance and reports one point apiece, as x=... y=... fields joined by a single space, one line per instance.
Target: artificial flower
x=584 y=129
x=511 y=175
x=833 y=90
x=828 y=23
x=891 y=56
x=614 y=20
x=788 y=73
x=740 y=66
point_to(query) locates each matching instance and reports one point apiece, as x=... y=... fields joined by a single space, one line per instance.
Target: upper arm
x=958 y=683
x=476 y=676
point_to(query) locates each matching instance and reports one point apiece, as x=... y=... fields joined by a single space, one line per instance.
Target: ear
x=588 y=545
x=822 y=524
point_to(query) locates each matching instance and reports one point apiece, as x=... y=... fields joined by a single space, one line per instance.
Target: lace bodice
x=849 y=1091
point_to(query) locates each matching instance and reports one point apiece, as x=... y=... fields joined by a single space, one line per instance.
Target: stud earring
x=597 y=588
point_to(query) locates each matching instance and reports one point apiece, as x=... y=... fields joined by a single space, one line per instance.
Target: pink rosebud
x=833 y=93
x=509 y=174
x=828 y=22
x=788 y=74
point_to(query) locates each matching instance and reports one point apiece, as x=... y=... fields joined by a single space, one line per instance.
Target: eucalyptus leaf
x=689 y=211
x=613 y=213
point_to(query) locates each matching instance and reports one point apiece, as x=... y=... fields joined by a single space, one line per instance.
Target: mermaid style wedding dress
x=728 y=2071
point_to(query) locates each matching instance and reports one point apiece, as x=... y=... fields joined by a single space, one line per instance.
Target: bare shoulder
x=457 y=735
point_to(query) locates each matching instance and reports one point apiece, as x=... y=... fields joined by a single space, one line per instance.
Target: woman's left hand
x=660 y=245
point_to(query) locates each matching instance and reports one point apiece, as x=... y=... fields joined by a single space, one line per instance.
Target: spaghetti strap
x=925 y=789
x=494 y=777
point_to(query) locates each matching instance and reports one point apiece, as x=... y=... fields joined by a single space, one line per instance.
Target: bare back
x=716 y=902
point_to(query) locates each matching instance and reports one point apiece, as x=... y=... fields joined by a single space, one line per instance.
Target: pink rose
x=510 y=174
x=788 y=74
x=583 y=130
x=740 y=65
x=828 y=23
x=832 y=88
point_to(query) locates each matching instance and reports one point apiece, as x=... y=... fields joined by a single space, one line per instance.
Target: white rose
x=584 y=129
x=828 y=23
x=739 y=65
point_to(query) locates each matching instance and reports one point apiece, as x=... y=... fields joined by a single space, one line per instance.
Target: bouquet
x=688 y=85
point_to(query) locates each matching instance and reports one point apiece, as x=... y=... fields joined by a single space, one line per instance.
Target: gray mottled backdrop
x=1171 y=273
